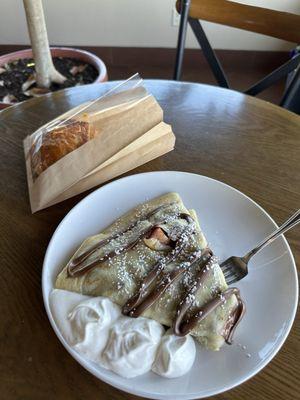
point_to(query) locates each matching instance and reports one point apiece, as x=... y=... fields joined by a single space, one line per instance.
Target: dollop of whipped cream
x=132 y=346
x=95 y=328
x=175 y=355
x=90 y=322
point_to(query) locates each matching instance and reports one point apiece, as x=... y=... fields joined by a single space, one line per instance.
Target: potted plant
x=41 y=69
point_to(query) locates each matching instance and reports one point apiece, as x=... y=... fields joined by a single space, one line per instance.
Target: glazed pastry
x=54 y=144
x=154 y=262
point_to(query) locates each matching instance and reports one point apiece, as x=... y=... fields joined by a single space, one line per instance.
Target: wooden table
x=247 y=143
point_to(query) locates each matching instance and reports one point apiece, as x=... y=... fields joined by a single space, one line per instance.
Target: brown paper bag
x=127 y=131
x=154 y=143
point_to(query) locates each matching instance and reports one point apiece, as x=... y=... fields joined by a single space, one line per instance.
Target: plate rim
x=85 y=364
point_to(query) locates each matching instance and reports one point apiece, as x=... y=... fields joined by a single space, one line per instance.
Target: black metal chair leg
x=274 y=76
x=184 y=15
x=291 y=97
x=209 y=53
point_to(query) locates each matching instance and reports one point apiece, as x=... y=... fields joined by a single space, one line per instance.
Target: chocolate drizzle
x=234 y=318
x=142 y=299
x=184 y=324
x=149 y=291
x=76 y=266
x=187 y=301
x=79 y=268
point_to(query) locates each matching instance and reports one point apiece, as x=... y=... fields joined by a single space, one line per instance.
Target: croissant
x=52 y=145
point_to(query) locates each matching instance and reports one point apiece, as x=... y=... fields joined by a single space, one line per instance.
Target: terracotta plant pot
x=69 y=52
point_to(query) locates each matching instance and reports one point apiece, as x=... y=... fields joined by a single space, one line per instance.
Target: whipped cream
x=95 y=328
x=90 y=322
x=84 y=321
x=175 y=355
x=62 y=303
x=132 y=346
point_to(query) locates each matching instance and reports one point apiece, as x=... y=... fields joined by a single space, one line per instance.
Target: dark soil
x=17 y=72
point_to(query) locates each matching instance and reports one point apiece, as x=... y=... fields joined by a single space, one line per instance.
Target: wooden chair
x=277 y=24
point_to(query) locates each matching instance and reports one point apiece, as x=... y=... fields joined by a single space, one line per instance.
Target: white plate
x=232 y=223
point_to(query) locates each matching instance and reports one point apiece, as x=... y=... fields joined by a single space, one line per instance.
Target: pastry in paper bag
x=95 y=142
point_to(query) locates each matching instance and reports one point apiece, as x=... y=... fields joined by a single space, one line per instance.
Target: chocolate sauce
x=234 y=319
x=74 y=270
x=145 y=297
x=184 y=326
x=82 y=257
x=130 y=308
x=76 y=265
x=138 y=304
x=187 y=301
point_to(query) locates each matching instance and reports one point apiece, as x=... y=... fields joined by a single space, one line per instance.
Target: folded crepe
x=154 y=262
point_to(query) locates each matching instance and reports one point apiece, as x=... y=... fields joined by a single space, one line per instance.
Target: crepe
x=161 y=240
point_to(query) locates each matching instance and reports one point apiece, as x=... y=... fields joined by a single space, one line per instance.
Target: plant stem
x=44 y=68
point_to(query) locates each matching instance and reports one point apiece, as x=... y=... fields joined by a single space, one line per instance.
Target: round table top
x=247 y=143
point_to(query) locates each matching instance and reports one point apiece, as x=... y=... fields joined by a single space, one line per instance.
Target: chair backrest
x=278 y=24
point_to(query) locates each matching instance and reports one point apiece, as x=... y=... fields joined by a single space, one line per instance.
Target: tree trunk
x=44 y=68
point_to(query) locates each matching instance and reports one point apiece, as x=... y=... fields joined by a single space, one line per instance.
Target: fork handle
x=288 y=224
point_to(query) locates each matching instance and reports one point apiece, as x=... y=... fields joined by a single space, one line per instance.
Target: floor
x=243 y=68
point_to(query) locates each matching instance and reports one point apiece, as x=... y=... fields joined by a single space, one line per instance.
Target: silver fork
x=236 y=268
